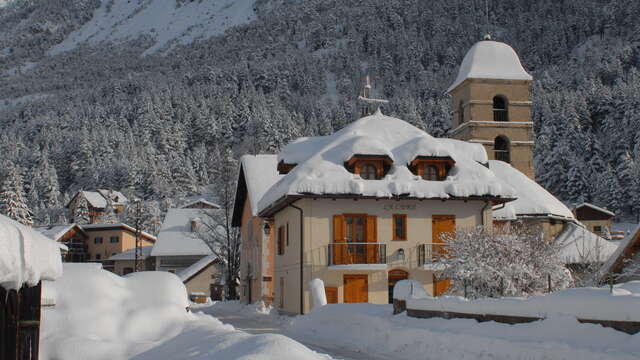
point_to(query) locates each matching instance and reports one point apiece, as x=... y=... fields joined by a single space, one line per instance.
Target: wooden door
x=356 y=288
x=371 y=236
x=395 y=276
x=339 y=252
x=332 y=294
x=356 y=233
x=442 y=227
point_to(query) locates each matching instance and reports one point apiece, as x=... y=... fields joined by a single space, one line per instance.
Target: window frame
x=395 y=227
x=117 y=237
x=371 y=166
x=500 y=114
x=280 y=241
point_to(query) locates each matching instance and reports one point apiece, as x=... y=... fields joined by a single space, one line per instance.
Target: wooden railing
x=357 y=253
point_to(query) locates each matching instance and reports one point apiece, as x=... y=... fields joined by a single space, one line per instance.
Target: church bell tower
x=492 y=106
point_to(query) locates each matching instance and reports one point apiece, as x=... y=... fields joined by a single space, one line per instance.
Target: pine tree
x=12 y=198
x=81 y=211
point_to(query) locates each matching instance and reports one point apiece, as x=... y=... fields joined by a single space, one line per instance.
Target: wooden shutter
x=332 y=294
x=372 y=237
x=441 y=224
x=338 y=237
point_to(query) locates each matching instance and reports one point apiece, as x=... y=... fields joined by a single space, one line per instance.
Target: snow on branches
x=517 y=262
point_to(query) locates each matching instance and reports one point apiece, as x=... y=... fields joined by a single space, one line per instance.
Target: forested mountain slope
x=153 y=123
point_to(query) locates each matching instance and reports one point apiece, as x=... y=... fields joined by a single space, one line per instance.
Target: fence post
x=549 y=282
x=464 y=283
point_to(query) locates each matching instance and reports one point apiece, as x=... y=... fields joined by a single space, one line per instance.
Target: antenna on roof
x=487 y=36
x=368 y=104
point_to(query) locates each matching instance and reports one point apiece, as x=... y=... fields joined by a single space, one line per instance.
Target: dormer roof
x=489 y=59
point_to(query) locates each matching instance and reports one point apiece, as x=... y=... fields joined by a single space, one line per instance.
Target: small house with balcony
x=370 y=205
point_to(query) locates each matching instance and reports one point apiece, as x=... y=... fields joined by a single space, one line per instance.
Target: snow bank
x=26 y=256
x=320 y=164
x=582 y=303
x=317 y=293
x=405 y=289
x=100 y=315
x=372 y=330
x=490 y=60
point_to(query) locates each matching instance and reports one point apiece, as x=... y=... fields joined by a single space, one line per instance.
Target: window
x=97 y=240
x=461 y=113
x=399 y=227
x=287 y=234
x=281 y=240
x=430 y=173
x=114 y=239
x=500 y=111
x=368 y=172
x=597 y=228
x=501 y=149
x=98 y=256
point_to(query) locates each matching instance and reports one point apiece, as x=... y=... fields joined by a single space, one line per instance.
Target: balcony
x=357 y=256
x=429 y=255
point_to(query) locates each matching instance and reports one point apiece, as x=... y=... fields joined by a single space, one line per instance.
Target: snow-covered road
x=278 y=325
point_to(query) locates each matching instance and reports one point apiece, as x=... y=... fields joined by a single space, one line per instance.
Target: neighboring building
x=125 y=262
x=106 y=240
x=179 y=248
x=100 y=203
x=73 y=237
x=258 y=246
x=597 y=219
x=200 y=204
x=624 y=264
x=204 y=277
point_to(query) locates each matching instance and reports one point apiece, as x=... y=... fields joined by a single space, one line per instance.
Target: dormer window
x=431 y=168
x=368 y=172
x=369 y=167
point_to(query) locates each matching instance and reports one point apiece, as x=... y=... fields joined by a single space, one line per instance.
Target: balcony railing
x=500 y=115
x=357 y=253
x=431 y=253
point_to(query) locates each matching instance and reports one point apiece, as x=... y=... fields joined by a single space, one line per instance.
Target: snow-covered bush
x=518 y=262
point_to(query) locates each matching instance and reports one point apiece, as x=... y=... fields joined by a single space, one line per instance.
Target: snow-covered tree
x=81 y=211
x=516 y=262
x=12 y=198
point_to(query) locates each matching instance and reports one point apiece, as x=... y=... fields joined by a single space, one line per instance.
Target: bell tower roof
x=489 y=59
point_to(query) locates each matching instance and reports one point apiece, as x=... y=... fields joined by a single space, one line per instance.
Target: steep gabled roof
x=176 y=238
x=320 y=166
x=615 y=263
x=195 y=268
x=55 y=232
x=489 y=59
x=596 y=208
x=257 y=174
x=581 y=246
x=121 y=226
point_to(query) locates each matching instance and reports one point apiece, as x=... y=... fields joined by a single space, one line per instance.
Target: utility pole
x=138 y=225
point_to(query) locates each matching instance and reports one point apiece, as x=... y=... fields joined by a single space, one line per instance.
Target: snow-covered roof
x=115 y=197
x=27 y=256
x=597 y=208
x=533 y=199
x=202 y=201
x=55 y=232
x=131 y=254
x=260 y=173
x=196 y=267
x=489 y=59
x=580 y=245
x=320 y=166
x=175 y=236
x=95 y=199
x=98 y=227
x=617 y=255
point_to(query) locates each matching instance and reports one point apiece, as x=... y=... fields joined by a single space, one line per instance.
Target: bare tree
x=215 y=228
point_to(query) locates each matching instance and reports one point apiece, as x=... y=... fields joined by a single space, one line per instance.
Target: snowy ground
x=366 y=331
x=101 y=316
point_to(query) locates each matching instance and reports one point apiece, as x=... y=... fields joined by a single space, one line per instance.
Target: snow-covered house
x=368 y=206
x=597 y=219
x=257 y=263
x=96 y=206
x=72 y=236
x=179 y=246
x=125 y=262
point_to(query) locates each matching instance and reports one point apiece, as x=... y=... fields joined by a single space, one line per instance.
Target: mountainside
x=155 y=109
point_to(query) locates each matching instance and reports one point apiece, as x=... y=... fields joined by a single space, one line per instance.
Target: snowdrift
x=373 y=330
x=100 y=315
